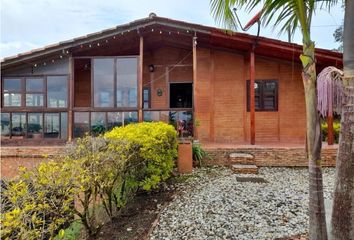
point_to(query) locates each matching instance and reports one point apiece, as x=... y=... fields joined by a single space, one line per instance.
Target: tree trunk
x=317 y=217
x=343 y=202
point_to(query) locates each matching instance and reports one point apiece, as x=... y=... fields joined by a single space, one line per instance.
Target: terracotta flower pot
x=185 y=157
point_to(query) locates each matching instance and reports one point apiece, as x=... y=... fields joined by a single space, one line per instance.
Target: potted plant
x=34 y=130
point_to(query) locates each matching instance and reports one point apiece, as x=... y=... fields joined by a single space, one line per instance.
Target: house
x=158 y=69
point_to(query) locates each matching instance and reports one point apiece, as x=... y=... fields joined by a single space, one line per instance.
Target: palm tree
x=291 y=14
x=343 y=203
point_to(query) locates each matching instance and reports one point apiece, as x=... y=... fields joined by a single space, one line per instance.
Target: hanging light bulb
x=160 y=32
x=106 y=41
x=61 y=56
x=90 y=45
x=98 y=44
x=44 y=63
x=52 y=60
x=35 y=65
x=114 y=37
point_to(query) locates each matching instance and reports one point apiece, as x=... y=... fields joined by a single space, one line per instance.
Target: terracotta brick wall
x=161 y=58
x=14 y=157
x=221 y=99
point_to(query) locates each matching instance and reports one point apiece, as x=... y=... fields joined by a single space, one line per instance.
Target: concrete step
x=244 y=168
x=241 y=158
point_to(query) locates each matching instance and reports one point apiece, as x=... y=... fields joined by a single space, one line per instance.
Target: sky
x=30 y=24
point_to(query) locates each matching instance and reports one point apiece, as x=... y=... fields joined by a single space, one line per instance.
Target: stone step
x=242 y=158
x=244 y=168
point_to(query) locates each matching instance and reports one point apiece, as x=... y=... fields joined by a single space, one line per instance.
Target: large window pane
x=34 y=84
x=5 y=124
x=127 y=80
x=51 y=125
x=64 y=125
x=98 y=123
x=81 y=124
x=57 y=91
x=18 y=124
x=130 y=117
x=114 y=119
x=34 y=100
x=12 y=99
x=12 y=84
x=35 y=125
x=103 y=77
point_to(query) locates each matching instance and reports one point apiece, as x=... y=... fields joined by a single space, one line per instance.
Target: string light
x=107 y=41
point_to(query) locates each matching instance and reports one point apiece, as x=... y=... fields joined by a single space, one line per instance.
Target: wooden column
x=195 y=94
x=71 y=99
x=330 y=134
x=140 y=79
x=251 y=94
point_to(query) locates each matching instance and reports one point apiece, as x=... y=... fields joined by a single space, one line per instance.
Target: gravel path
x=214 y=205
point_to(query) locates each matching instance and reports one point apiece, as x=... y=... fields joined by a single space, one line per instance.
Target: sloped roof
x=210 y=36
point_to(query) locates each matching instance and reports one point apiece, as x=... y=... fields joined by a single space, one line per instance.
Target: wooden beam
x=330 y=134
x=140 y=79
x=195 y=94
x=252 y=100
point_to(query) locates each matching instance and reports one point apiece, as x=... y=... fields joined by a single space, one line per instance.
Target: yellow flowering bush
x=157 y=147
x=37 y=204
x=95 y=173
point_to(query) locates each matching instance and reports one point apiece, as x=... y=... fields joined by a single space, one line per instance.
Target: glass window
x=18 y=124
x=265 y=94
x=130 y=117
x=98 y=123
x=57 y=91
x=5 y=124
x=51 y=125
x=146 y=98
x=35 y=125
x=34 y=84
x=81 y=124
x=12 y=84
x=127 y=81
x=103 y=78
x=64 y=125
x=12 y=99
x=34 y=100
x=114 y=119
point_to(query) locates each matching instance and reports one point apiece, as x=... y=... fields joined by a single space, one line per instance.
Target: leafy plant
x=199 y=154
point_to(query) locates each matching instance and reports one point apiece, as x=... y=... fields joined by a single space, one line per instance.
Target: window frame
x=261 y=83
x=115 y=84
x=23 y=92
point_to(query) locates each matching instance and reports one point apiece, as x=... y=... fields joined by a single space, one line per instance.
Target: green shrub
x=157 y=147
x=199 y=154
x=336 y=130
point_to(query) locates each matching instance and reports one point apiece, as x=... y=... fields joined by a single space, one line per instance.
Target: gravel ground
x=212 y=204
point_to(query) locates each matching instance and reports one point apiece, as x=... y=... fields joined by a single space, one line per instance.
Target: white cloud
x=36 y=23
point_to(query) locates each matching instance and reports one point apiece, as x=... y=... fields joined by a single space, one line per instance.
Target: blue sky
x=29 y=24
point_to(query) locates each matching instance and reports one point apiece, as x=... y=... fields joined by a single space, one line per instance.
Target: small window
x=146 y=98
x=34 y=92
x=265 y=95
x=12 y=92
